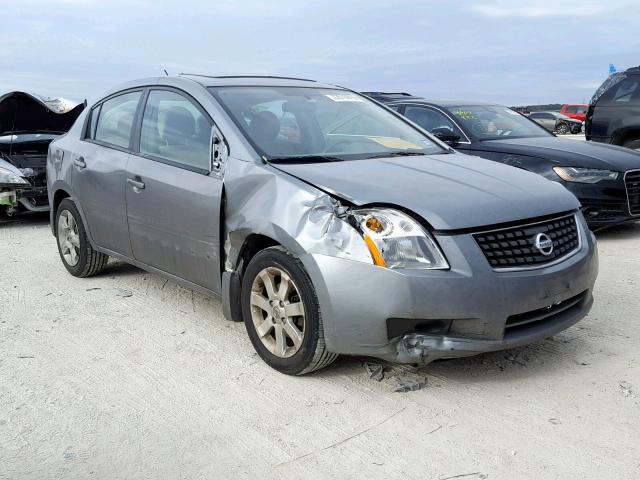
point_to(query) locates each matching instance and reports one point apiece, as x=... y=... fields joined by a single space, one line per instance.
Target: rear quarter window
x=115 y=120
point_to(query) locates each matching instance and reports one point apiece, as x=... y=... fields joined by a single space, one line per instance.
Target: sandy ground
x=128 y=376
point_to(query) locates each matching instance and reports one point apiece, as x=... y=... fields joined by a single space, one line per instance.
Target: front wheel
x=562 y=129
x=282 y=314
x=77 y=255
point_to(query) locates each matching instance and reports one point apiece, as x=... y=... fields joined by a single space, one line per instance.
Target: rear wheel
x=633 y=144
x=78 y=256
x=282 y=314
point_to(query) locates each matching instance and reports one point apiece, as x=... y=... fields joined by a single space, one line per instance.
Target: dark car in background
x=556 y=122
x=614 y=111
x=28 y=124
x=605 y=178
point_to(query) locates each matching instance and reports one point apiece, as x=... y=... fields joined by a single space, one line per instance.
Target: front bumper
x=358 y=300
x=603 y=203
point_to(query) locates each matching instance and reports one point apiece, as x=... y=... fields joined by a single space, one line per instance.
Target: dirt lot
x=129 y=376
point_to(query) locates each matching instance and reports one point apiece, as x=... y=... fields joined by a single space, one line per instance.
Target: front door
x=99 y=171
x=173 y=199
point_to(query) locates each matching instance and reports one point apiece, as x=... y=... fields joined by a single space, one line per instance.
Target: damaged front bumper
x=420 y=348
x=409 y=316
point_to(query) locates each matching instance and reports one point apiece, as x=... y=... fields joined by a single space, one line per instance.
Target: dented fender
x=295 y=214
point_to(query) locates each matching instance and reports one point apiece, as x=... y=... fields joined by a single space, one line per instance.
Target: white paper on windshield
x=344 y=97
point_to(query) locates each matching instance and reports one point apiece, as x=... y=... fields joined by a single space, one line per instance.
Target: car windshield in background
x=491 y=122
x=318 y=124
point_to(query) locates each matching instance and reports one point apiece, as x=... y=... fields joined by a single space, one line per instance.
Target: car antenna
x=165 y=72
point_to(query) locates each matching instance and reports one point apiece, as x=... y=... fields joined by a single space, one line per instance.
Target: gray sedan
x=557 y=122
x=328 y=223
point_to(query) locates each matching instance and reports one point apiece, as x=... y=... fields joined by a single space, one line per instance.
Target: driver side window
x=430 y=119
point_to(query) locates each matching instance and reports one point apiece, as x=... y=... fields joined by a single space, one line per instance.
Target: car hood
x=4 y=163
x=448 y=191
x=568 y=153
x=28 y=112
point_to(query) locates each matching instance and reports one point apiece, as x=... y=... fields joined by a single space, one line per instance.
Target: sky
x=514 y=53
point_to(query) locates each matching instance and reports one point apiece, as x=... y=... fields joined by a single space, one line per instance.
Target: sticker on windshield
x=344 y=97
x=394 y=142
x=465 y=115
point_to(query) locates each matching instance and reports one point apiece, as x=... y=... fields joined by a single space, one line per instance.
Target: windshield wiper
x=305 y=159
x=397 y=154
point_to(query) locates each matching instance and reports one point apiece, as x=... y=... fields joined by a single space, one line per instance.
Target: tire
x=274 y=266
x=575 y=129
x=562 y=129
x=77 y=255
x=633 y=144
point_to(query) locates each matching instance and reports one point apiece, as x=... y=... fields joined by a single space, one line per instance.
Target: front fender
x=303 y=219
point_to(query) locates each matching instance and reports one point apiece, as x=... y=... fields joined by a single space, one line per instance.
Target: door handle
x=80 y=163
x=136 y=184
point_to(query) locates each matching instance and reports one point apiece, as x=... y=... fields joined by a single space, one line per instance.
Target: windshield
x=316 y=124
x=492 y=122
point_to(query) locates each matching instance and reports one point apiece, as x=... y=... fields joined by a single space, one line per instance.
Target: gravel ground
x=126 y=375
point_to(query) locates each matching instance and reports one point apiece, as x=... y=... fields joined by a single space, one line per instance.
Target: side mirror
x=446 y=135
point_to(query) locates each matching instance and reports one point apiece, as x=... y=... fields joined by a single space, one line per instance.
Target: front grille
x=546 y=315
x=515 y=247
x=632 y=182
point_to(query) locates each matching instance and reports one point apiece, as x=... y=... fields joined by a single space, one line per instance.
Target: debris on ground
x=626 y=388
x=123 y=292
x=374 y=371
x=554 y=421
x=406 y=384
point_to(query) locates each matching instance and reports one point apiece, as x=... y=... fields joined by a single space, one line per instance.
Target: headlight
x=584 y=175
x=396 y=240
x=7 y=176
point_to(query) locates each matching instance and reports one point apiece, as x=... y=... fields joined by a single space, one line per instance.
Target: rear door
x=173 y=196
x=99 y=170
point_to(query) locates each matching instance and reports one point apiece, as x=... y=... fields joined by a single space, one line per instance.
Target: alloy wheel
x=277 y=312
x=68 y=238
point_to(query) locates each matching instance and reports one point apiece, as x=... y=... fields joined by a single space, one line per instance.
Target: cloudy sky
x=504 y=51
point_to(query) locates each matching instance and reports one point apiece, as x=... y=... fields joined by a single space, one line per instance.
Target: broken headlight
x=396 y=240
x=7 y=176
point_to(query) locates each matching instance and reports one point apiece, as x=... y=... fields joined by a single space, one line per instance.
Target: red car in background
x=575 y=110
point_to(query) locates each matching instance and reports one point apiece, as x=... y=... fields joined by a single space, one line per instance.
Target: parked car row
x=329 y=223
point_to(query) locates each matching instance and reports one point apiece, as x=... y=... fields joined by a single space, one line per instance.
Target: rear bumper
x=472 y=302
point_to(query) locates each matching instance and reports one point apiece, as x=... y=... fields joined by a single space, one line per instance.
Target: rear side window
x=626 y=90
x=114 y=121
x=95 y=113
x=174 y=129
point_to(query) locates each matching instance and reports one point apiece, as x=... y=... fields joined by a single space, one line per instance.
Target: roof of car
x=445 y=103
x=252 y=80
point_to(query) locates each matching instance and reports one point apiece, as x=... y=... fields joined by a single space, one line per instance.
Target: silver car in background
x=325 y=221
x=556 y=122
